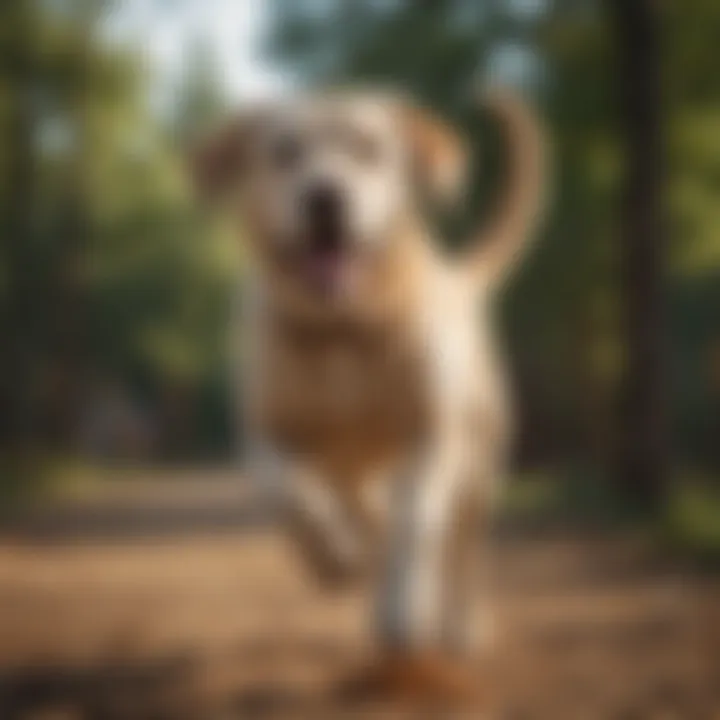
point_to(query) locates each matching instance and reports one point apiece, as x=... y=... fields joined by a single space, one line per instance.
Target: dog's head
x=323 y=183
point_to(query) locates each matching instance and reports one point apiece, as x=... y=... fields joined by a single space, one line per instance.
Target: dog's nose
x=323 y=206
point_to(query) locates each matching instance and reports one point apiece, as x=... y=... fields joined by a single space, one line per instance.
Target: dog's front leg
x=412 y=597
x=314 y=515
x=416 y=660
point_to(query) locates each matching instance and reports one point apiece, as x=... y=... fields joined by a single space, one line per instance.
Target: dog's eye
x=287 y=153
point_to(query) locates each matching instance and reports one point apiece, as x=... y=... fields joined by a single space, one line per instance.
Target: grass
x=33 y=477
x=689 y=525
x=562 y=495
x=692 y=521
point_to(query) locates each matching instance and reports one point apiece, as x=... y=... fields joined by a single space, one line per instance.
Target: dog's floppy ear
x=219 y=160
x=438 y=155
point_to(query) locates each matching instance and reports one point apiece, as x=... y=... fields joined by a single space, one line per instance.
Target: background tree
x=109 y=276
x=644 y=448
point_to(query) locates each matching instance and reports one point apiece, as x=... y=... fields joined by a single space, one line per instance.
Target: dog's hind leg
x=319 y=520
x=325 y=528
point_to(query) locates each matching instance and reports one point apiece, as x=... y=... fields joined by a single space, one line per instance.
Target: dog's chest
x=347 y=399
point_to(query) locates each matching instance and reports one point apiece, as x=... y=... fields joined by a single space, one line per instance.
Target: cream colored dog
x=372 y=387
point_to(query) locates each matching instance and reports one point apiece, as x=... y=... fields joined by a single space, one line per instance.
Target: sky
x=165 y=29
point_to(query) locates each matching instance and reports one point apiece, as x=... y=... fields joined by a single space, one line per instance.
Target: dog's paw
x=427 y=679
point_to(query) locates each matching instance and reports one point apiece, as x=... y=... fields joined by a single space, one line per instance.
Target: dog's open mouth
x=328 y=262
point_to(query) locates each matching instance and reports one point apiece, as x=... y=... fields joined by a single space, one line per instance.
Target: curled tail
x=495 y=248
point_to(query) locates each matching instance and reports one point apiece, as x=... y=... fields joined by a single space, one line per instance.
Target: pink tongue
x=326 y=270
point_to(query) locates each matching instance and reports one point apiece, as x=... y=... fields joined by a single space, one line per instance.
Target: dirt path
x=172 y=601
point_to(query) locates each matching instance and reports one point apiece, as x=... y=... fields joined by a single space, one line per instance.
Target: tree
x=200 y=99
x=643 y=432
x=19 y=22
x=53 y=72
x=106 y=276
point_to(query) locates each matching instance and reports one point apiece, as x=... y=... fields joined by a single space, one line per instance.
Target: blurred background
x=115 y=289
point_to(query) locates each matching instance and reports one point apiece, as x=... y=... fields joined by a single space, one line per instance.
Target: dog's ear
x=219 y=160
x=438 y=155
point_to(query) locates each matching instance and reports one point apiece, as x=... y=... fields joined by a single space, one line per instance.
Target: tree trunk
x=643 y=423
x=16 y=365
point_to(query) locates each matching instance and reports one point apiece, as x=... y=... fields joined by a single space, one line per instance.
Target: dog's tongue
x=327 y=270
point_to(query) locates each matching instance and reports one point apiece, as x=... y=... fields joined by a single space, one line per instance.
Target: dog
x=373 y=393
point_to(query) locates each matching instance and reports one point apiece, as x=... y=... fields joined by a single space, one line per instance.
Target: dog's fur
x=372 y=386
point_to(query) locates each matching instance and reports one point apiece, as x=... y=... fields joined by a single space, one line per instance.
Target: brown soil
x=169 y=600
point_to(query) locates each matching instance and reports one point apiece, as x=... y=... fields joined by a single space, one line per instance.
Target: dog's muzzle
x=327 y=246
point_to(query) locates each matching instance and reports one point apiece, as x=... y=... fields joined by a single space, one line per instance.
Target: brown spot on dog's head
x=439 y=156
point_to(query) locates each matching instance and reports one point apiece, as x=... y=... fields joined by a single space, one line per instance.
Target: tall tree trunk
x=68 y=342
x=16 y=412
x=643 y=424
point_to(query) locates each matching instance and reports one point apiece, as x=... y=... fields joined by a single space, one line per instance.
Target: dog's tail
x=495 y=247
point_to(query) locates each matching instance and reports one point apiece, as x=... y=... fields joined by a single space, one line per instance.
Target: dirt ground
x=173 y=600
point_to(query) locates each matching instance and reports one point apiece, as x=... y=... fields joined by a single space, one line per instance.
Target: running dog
x=373 y=391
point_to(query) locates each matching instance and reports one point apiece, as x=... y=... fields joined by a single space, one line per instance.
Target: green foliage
x=692 y=524
x=109 y=276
